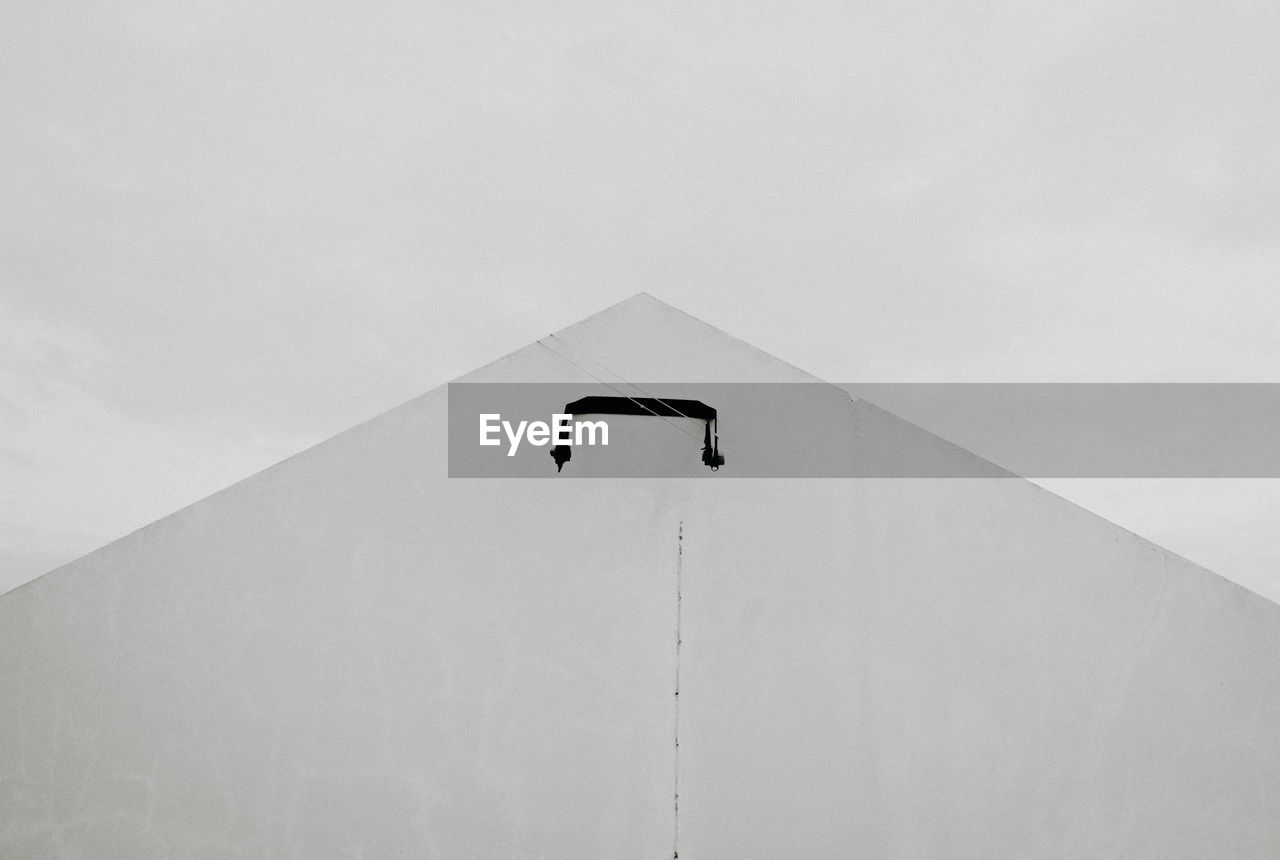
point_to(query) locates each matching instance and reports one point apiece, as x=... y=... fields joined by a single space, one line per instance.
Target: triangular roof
x=644 y=339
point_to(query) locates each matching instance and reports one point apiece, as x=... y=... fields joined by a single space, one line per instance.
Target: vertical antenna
x=679 y=563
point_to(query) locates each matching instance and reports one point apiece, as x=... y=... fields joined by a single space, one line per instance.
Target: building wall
x=965 y=668
x=352 y=655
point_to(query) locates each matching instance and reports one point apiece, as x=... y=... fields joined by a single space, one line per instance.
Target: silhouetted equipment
x=657 y=407
x=561 y=455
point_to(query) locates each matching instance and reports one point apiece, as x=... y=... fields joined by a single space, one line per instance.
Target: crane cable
x=613 y=388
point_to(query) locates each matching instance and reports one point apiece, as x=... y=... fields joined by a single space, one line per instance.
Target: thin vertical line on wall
x=679 y=564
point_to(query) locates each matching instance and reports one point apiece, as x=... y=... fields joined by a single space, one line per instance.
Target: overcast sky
x=232 y=230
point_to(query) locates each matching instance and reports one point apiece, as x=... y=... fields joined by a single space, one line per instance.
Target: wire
x=613 y=388
x=619 y=376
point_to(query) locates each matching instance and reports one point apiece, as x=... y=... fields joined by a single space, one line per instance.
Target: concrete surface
x=352 y=655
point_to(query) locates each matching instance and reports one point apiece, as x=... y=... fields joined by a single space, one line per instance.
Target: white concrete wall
x=351 y=655
x=965 y=668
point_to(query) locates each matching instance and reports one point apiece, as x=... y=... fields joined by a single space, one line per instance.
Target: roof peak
x=652 y=340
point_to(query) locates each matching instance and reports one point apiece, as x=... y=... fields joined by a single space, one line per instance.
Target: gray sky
x=232 y=230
